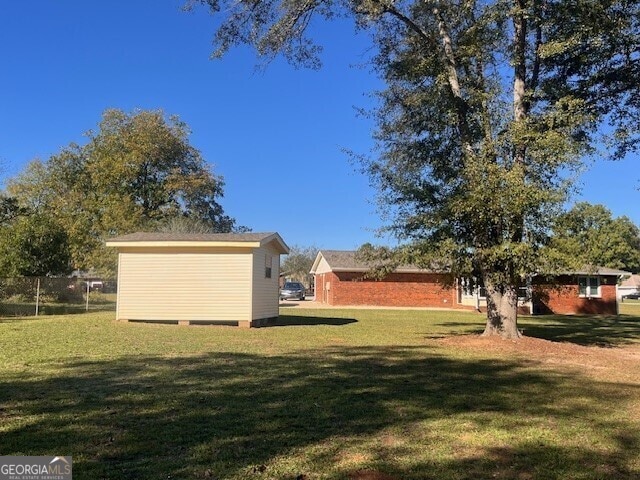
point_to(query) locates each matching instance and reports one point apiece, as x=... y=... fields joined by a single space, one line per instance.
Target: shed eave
x=183 y=244
x=277 y=240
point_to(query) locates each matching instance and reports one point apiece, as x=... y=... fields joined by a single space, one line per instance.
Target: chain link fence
x=34 y=296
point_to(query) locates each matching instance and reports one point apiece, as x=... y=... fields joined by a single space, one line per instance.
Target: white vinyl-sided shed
x=198 y=278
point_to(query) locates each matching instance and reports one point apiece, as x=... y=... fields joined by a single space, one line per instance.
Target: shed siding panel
x=184 y=286
x=265 y=290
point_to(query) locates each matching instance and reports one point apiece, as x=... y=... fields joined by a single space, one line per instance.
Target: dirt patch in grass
x=369 y=475
x=620 y=362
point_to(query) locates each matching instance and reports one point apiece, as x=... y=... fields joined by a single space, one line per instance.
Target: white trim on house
x=588 y=287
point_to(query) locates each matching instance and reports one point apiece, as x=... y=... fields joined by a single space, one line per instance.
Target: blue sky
x=277 y=136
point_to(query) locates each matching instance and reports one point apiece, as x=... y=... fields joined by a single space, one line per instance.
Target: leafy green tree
x=486 y=110
x=9 y=209
x=34 y=245
x=183 y=225
x=60 y=188
x=298 y=263
x=588 y=235
x=136 y=172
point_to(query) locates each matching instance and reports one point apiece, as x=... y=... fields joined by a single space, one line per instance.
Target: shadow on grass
x=588 y=330
x=287 y=305
x=583 y=330
x=293 y=320
x=234 y=415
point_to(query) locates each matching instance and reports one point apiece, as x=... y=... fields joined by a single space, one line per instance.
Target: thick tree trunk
x=502 y=312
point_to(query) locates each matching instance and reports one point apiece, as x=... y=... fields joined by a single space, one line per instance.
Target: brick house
x=582 y=292
x=340 y=280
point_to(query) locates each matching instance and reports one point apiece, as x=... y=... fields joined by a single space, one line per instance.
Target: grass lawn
x=630 y=307
x=325 y=394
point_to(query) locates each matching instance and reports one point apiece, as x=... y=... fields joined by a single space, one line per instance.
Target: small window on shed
x=268 y=260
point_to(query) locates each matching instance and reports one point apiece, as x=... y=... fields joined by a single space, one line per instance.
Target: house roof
x=159 y=239
x=632 y=281
x=347 y=261
x=595 y=270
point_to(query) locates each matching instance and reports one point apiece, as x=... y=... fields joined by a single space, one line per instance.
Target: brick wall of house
x=564 y=299
x=428 y=290
x=323 y=284
x=395 y=290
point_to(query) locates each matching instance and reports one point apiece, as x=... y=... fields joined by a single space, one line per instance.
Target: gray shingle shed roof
x=151 y=239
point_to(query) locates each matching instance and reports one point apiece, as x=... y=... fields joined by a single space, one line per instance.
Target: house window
x=268 y=259
x=469 y=286
x=589 y=286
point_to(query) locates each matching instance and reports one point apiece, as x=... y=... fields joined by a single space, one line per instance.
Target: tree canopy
x=297 y=264
x=9 y=210
x=34 y=245
x=588 y=235
x=489 y=108
x=136 y=172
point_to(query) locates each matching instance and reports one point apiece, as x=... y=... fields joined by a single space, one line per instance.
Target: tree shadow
x=535 y=460
x=603 y=331
x=293 y=320
x=231 y=415
x=587 y=330
x=459 y=328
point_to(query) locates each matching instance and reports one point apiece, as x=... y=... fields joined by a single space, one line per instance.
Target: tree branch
x=535 y=73
x=454 y=84
x=520 y=66
x=406 y=20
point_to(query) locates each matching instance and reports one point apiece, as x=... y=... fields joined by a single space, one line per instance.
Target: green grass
x=630 y=307
x=606 y=331
x=324 y=394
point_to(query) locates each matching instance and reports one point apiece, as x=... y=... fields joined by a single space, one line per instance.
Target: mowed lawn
x=325 y=394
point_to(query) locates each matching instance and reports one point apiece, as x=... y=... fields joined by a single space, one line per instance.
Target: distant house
x=198 y=278
x=629 y=286
x=340 y=280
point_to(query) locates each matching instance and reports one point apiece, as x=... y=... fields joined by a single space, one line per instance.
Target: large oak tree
x=136 y=172
x=489 y=107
